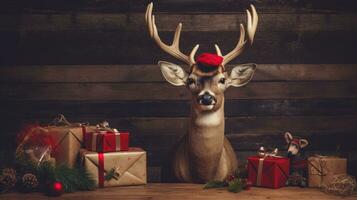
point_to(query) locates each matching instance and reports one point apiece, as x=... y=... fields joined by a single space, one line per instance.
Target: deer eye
x=222 y=80
x=190 y=81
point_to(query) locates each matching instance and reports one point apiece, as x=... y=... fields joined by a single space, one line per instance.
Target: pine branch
x=109 y=175
x=87 y=182
x=75 y=179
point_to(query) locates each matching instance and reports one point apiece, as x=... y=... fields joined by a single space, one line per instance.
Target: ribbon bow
x=61 y=120
x=262 y=153
x=117 y=173
x=114 y=173
x=106 y=127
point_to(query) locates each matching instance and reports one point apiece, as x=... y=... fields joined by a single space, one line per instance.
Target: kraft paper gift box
x=271 y=172
x=106 y=141
x=322 y=169
x=116 y=168
x=67 y=140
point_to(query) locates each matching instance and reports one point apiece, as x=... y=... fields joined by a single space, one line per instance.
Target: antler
x=174 y=48
x=252 y=22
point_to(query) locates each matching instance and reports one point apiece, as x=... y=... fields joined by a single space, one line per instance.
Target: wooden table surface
x=185 y=192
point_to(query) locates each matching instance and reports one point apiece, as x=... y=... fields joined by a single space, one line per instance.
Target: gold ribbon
x=262 y=153
x=104 y=126
x=117 y=139
x=260 y=171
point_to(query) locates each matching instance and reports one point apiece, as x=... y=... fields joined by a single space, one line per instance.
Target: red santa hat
x=208 y=64
x=209 y=60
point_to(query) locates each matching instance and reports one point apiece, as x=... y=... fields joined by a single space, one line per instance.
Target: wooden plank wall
x=93 y=60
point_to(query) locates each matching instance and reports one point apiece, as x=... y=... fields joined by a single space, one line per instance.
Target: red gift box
x=106 y=141
x=271 y=172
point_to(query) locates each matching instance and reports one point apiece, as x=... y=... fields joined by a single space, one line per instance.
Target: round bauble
x=55 y=189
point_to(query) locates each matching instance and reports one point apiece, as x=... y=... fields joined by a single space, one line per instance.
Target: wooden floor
x=185 y=192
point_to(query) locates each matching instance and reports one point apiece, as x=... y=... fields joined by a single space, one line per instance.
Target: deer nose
x=206 y=99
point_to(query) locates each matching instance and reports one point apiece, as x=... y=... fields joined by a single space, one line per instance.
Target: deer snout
x=206 y=99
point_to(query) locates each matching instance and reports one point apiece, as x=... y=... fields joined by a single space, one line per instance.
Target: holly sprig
x=234 y=183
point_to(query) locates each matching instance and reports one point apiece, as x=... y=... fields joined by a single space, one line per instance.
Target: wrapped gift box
x=67 y=143
x=68 y=140
x=116 y=168
x=106 y=141
x=322 y=169
x=271 y=172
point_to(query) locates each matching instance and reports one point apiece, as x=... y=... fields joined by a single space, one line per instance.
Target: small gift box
x=322 y=169
x=268 y=171
x=106 y=141
x=116 y=168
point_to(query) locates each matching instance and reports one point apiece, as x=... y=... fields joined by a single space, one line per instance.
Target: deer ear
x=303 y=143
x=173 y=73
x=288 y=137
x=241 y=74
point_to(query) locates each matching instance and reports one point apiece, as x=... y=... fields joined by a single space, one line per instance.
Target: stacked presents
x=109 y=159
x=266 y=169
x=273 y=171
x=104 y=152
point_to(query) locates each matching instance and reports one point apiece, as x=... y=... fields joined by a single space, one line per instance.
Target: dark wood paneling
x=122 y=39
x=151 y=126
x=117 y=47
x=151 y=73
x=167 y=22
x=176 y=108
x=150 y=91
x=175 y=5
x=339 y=141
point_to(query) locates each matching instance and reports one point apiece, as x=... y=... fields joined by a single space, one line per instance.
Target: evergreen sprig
x=108 y=176
x=73 y=179
x=234 y=183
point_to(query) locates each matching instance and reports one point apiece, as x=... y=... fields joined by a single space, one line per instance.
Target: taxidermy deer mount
x=204 y=153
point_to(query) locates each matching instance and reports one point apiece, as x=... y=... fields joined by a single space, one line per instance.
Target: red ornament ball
x=55 y=189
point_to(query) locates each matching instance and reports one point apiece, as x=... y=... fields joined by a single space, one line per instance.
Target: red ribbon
x=101 y=169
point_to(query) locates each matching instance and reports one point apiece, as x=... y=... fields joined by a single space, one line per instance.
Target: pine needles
x=73 y=179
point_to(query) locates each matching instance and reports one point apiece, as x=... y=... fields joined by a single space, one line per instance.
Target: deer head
x=206 y=83
x=294 y=144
